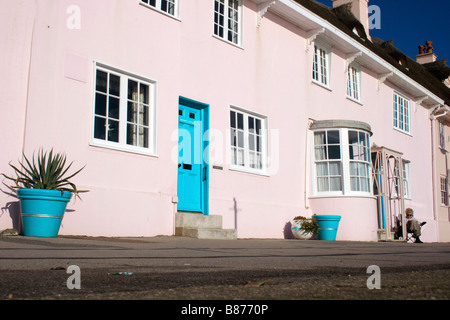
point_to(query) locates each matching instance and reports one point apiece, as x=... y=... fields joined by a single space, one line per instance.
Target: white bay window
x=341 y=158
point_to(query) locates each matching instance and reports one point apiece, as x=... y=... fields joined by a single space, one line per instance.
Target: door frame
x=204 y=108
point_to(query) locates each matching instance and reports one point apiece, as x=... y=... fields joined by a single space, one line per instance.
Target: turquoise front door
x=192 y=167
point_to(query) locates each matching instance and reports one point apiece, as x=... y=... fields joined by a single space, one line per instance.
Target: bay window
x=341 y=159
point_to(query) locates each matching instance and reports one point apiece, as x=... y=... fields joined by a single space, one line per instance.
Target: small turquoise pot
x=328 y=226
x=42 y=211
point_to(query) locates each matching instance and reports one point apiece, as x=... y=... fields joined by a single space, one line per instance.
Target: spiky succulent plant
x=45 y=171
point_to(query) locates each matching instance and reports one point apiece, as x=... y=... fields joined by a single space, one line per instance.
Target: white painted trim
x=240 y=22
x=152 y=150
x=409 y=113
x=345 y=167
x=264 y=143
x=175 y=16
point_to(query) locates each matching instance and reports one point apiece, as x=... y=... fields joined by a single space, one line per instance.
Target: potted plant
x=304 y=228
x=44 y=191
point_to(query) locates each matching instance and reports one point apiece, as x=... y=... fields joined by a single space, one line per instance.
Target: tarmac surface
x=192 y=270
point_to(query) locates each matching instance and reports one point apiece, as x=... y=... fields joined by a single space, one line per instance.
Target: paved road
x=177 y=268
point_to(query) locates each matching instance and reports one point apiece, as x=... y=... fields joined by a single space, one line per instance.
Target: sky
x=412 y=22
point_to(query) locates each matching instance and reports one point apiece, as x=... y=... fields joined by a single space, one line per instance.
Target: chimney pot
x=429 y=47
x=421 y=49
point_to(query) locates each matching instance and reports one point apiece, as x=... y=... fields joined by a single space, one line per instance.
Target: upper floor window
x=167 y=6
x=124 y=111
x=248 y=141
x=353 y=82
x=321 y=62
x=402 y=119
x=227 y=20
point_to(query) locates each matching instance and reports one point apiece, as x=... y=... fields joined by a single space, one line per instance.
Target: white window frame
x=122 y=144
x=246 y=135
x=159 y=6
x=444 y=190
x=222 y=19
x=402 y=113
x=344 y=163
x=354 y=82
x=321 y=65
x=406 y=179
x=324 y=149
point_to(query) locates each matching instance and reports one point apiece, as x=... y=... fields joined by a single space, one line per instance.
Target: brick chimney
x=426 y=54
x=360 y=9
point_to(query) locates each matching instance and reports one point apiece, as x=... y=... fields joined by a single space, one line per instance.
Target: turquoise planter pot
x=42 y=211
x=328 y=226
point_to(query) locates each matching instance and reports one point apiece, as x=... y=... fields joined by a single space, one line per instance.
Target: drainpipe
x=30 y=59
x=307 y=165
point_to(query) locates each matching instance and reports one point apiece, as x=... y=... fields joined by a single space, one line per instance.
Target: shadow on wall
x=13 y=209
x=287 y=232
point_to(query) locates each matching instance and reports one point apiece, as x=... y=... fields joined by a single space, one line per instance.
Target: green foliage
x=46 y=171
x=308 y=224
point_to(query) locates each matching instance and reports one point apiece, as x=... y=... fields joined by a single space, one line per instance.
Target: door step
x=197 y=225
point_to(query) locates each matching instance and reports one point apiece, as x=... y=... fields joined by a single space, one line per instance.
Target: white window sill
x=160 y=11
x=117 y=147
x=249 y=171
x=354 y=100
x=320 y=84
x=341 y=195
x=239 y=46
x=402 y=131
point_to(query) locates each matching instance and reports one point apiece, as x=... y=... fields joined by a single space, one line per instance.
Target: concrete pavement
x=186 y=268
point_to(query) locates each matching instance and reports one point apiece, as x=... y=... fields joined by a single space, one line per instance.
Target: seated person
x=413 y=226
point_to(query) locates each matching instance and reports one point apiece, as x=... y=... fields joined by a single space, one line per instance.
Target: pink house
x=249 y=112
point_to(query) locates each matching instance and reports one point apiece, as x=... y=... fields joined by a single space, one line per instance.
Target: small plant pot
x=299 y=233
x=42 y=211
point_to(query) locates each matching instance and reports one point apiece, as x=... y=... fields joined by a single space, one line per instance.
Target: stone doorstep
x=197 y=225
x=205 y=233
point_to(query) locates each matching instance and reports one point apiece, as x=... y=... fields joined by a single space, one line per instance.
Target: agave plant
x=46 y=171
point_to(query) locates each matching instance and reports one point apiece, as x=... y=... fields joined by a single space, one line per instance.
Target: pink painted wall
x=131 y=194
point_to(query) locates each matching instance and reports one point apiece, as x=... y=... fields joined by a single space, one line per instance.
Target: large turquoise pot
x=42 y=211
x=328 y=226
